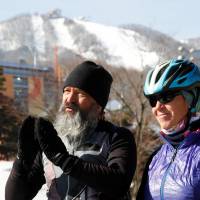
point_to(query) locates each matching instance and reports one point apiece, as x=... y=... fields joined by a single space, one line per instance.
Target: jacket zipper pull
x=174 y=155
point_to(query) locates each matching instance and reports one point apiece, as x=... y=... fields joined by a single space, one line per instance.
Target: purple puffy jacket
x=174 y=174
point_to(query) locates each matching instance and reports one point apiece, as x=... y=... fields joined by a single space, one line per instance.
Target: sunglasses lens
x=167 y=98
x=152 y=101
x=163 y=99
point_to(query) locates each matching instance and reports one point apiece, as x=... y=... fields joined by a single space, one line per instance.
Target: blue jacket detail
x=174 y=174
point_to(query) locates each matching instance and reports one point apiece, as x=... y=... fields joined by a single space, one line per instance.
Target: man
x=82 y=156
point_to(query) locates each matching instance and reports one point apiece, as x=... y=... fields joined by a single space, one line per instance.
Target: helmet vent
x=150 y=76
x=186 y=70
x=181 y=80
x=159 y=74
x=171 y=72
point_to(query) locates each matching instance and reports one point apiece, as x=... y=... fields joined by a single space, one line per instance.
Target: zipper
x=67 y=194
x=67 y=197
x=165 y=175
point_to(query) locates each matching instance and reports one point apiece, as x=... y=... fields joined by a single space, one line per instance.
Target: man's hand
x=28 y=146
x=50 y=143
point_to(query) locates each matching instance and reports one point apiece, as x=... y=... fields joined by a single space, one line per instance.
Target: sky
x=177 y=18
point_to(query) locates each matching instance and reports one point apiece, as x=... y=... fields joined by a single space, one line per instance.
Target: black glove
x=52 y=145
x=28 y=146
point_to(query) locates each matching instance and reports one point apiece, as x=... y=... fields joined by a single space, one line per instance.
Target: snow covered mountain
x=27 y=38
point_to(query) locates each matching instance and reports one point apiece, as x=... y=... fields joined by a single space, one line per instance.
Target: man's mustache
x=72 y=106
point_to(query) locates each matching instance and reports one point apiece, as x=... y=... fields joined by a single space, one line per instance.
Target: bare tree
x=135 y=114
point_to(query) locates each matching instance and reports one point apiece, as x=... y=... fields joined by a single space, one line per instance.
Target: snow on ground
x=5 y=168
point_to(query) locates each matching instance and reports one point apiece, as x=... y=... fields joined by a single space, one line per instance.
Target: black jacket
x=104 y=174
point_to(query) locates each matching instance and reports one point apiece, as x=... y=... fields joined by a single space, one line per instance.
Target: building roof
x=24 y=66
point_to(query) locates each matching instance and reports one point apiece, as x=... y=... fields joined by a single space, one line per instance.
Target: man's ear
x=101 y=113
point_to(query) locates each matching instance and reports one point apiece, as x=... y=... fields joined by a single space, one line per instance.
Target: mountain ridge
x=30 y=37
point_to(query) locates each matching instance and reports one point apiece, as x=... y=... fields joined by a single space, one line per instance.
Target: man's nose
x=71 y=97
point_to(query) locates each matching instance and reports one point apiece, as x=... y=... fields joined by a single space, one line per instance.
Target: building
x=28 y=85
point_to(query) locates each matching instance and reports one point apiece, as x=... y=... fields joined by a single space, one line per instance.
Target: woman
x=173 y=171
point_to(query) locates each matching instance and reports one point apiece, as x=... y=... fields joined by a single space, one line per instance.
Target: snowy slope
x=123 y=45
x=40 y=34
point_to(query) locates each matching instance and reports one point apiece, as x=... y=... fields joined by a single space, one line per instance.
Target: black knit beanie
x=92 y=79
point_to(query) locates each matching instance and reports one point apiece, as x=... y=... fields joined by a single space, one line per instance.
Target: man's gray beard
x=73 y=129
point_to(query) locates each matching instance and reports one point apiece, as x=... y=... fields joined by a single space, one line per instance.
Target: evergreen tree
x=10 y=118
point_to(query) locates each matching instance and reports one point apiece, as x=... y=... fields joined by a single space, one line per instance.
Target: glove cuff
x=69 y=163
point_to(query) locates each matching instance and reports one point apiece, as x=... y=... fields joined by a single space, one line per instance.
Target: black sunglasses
x=162 y=98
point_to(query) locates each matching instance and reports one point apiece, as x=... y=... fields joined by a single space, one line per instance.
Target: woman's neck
x=175 y=135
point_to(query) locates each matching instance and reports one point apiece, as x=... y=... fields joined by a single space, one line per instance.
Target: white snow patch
x=39 y=34
x=4 y=43
x=5 y=168
x=64 y=39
